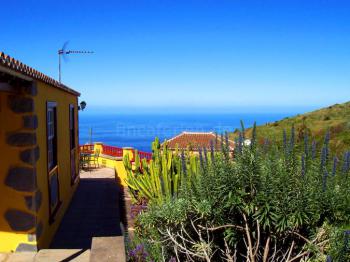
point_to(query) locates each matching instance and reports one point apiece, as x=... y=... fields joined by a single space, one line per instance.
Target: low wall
x=112 y=157
x=115 y=162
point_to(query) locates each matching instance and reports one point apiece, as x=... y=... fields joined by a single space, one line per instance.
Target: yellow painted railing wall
x=114 y=162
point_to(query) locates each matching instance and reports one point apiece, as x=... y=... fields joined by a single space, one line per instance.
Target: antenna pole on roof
x=59 y=67
x=63 y=52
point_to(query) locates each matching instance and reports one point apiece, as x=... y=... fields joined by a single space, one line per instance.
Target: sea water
x=139 y=130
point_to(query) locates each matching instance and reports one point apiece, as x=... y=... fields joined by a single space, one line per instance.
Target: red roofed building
x=196 y=140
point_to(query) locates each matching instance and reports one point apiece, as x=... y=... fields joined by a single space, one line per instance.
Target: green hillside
x=335 y=118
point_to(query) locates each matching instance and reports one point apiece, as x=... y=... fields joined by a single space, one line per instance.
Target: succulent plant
x=159 y=179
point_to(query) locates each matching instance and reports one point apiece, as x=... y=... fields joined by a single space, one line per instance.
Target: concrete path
x=49 y=255
x=95 y=211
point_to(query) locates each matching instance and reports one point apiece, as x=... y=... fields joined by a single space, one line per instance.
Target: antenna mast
x=63 y=52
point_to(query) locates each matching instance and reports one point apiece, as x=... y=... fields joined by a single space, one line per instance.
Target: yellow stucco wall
x=47 y=93
x=116 y=163
x=41 y=234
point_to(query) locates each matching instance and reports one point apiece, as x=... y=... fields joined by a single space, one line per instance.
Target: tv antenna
x=64 y=52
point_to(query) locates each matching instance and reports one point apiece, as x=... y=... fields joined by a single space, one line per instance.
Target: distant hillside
x=335 y=118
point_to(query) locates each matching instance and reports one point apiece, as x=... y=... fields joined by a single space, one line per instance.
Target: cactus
x=161 y=178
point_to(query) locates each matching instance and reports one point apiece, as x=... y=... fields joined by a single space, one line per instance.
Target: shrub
x=263 y=204
x=326 y=118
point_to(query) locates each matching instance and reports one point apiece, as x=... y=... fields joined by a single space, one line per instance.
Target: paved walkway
x=94 y=211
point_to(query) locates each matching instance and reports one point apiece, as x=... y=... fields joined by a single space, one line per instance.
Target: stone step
x=103 y=249
x=18 y=257
x=108 y=249
x=56 y=255
x=48 y=255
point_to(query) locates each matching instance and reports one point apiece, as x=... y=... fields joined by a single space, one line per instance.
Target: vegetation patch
x=267 y=202
x=335 y=118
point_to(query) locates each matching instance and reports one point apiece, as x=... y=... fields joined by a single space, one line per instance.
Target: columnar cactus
x=161 y=178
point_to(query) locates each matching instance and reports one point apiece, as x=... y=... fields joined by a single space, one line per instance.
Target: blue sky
x=189 y=54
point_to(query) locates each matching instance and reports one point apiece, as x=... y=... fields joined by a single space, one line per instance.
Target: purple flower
x=212 y=155
x=183 y=162
x=335 y=162
x=292 y=139
x=285 y=140
x=324 y=157
x=346 y=165
x=326 y=138
x=222 y=142
x=138 y=254
x=346 y=239
x=136 y=209
x=132 y=253
x=172 y=259
x=313 y=149
x=253 y=142
x=329 y=259
x=205 y=155
x=344 y=162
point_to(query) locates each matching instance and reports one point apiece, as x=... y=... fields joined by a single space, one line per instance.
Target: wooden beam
x=5 y=87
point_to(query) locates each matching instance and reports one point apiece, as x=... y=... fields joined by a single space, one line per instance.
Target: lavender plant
x=138 y=254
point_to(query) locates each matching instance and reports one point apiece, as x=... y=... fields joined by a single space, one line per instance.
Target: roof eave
x=15 y=68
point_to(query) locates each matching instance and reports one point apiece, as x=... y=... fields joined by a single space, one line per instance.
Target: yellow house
x=38 y=155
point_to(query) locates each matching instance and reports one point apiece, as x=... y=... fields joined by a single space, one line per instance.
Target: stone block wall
x=21 y=200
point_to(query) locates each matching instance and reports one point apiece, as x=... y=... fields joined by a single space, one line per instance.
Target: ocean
x=139 y=130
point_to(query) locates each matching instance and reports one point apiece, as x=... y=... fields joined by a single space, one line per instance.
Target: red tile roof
x=17 y=66
x=196 y=140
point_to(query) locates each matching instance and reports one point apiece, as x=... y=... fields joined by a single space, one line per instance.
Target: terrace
x=92 y=227
x=94 y=223
x=100 y=155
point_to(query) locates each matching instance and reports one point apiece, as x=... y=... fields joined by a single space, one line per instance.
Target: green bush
x=265 y=203
x=326 y=118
